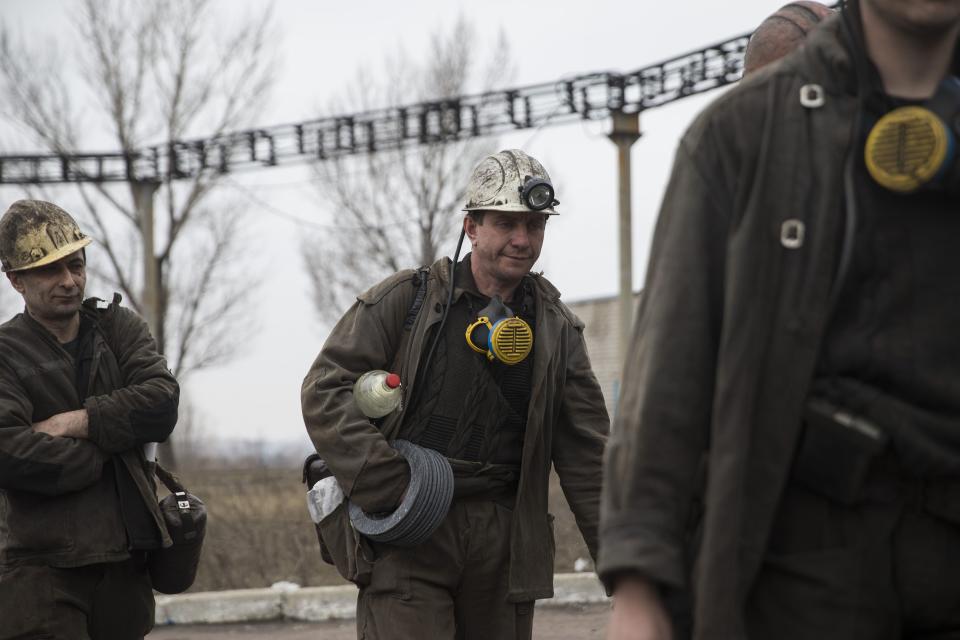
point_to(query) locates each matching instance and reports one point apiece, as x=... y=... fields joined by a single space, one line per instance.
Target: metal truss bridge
x=593 y=96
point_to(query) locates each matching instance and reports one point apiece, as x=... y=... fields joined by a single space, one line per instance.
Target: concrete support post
x=625 y=131
x=150 y=297
x=143 y=192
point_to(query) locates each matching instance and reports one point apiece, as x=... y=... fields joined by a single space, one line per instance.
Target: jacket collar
x=39 y=329
x=466 y=283
x=89 y=319
x=827 y=59
x=830 y=61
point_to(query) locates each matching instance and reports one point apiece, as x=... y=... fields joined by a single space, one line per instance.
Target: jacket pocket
x=349 y=552
x=38 y=524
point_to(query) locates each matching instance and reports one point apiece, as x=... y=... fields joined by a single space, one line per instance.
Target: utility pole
x=151 y=303
x=625 y=131
x=143 y=192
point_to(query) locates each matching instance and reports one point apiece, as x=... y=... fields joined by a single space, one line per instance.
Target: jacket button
x=812 y=96
x=438 y=307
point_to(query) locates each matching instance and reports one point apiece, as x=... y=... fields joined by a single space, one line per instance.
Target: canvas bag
x=173 y=569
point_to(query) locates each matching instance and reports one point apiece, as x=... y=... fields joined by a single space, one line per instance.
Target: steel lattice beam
x=588 y=97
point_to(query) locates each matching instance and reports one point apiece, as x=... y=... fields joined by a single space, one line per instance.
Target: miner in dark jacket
x=502 y=426
x=82 y=391
x=796 y=362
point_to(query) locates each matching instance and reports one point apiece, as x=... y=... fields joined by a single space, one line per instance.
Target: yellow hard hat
x=34 y=233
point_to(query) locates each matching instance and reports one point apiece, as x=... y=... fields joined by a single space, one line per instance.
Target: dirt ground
x=587 y=622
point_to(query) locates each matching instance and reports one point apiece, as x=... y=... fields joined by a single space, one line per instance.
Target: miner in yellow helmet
x=82 y=392
x=497 y=380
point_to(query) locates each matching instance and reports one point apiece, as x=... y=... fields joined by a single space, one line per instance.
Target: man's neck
x=64 y=330
x=490 y=286
x=911 y=64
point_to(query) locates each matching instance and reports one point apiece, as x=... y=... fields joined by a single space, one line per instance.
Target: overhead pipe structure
x=593 y=96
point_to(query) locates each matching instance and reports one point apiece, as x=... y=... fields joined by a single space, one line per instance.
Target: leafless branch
x=394 y=209
x=10 y=302
x=158 y=71
x=118 y=274
x=212 y=277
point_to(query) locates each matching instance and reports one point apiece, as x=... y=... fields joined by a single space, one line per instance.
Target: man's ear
x=16 y=281
x=470 y=225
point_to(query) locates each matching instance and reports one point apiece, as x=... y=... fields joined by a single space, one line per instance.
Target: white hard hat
x=511 y=181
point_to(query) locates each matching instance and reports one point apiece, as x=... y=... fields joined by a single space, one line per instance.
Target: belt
x=850 y=460
x=484 y=480
x=888 y=480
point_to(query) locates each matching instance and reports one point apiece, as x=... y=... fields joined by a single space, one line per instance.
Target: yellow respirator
x=498 y=334
x=914 y=147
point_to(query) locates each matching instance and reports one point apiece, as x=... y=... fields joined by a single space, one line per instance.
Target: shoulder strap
x=420 y=280
x=170 y=481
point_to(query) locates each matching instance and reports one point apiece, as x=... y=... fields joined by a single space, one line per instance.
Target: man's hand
x=70 y=424
x=638 y=612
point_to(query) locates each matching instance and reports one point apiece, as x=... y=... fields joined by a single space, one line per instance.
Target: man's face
x=919 y=17
x=53 y=291
x=506 y=245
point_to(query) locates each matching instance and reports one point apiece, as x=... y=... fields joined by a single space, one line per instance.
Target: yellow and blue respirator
x=914 y=148
x=498 y=334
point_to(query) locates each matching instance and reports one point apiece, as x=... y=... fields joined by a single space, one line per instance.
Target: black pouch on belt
x=836 y=449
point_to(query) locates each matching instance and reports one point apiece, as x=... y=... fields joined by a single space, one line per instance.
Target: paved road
x=586 y=622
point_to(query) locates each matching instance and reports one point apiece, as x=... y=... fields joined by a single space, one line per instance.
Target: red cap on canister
x=392 y=380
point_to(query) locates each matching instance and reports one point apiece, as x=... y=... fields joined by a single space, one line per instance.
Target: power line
x=276 y=211
x=271 y=209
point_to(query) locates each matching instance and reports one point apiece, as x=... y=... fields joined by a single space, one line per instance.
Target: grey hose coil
x=424 y=506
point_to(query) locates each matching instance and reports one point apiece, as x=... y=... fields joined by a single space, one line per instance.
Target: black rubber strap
x=169 y=480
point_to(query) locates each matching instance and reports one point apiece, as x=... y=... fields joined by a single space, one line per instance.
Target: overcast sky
x=321 y=44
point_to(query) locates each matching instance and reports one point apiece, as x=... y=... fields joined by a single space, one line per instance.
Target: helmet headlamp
x=537 y=194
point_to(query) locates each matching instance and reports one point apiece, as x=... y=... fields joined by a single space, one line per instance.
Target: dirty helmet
x=34 y=233
x=511 y=181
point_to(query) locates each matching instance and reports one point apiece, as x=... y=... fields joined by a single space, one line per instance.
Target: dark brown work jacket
x=735 y=307
x=567 y=421
x=52 y=507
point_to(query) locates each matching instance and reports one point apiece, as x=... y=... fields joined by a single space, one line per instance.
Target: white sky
x=322 y=42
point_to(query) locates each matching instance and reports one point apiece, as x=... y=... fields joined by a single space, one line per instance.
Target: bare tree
x=394 y=209
x=152 y=71
x=10 y=302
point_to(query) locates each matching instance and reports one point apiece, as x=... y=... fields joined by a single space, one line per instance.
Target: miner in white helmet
x=496 y=378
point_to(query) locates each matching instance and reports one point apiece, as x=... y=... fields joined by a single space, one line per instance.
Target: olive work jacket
x=735 y=306
x=567 y=421
x=53 y=506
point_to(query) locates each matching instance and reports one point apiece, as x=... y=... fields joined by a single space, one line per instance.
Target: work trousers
x=452 y=587
x=109 y=601
x=885 y=568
